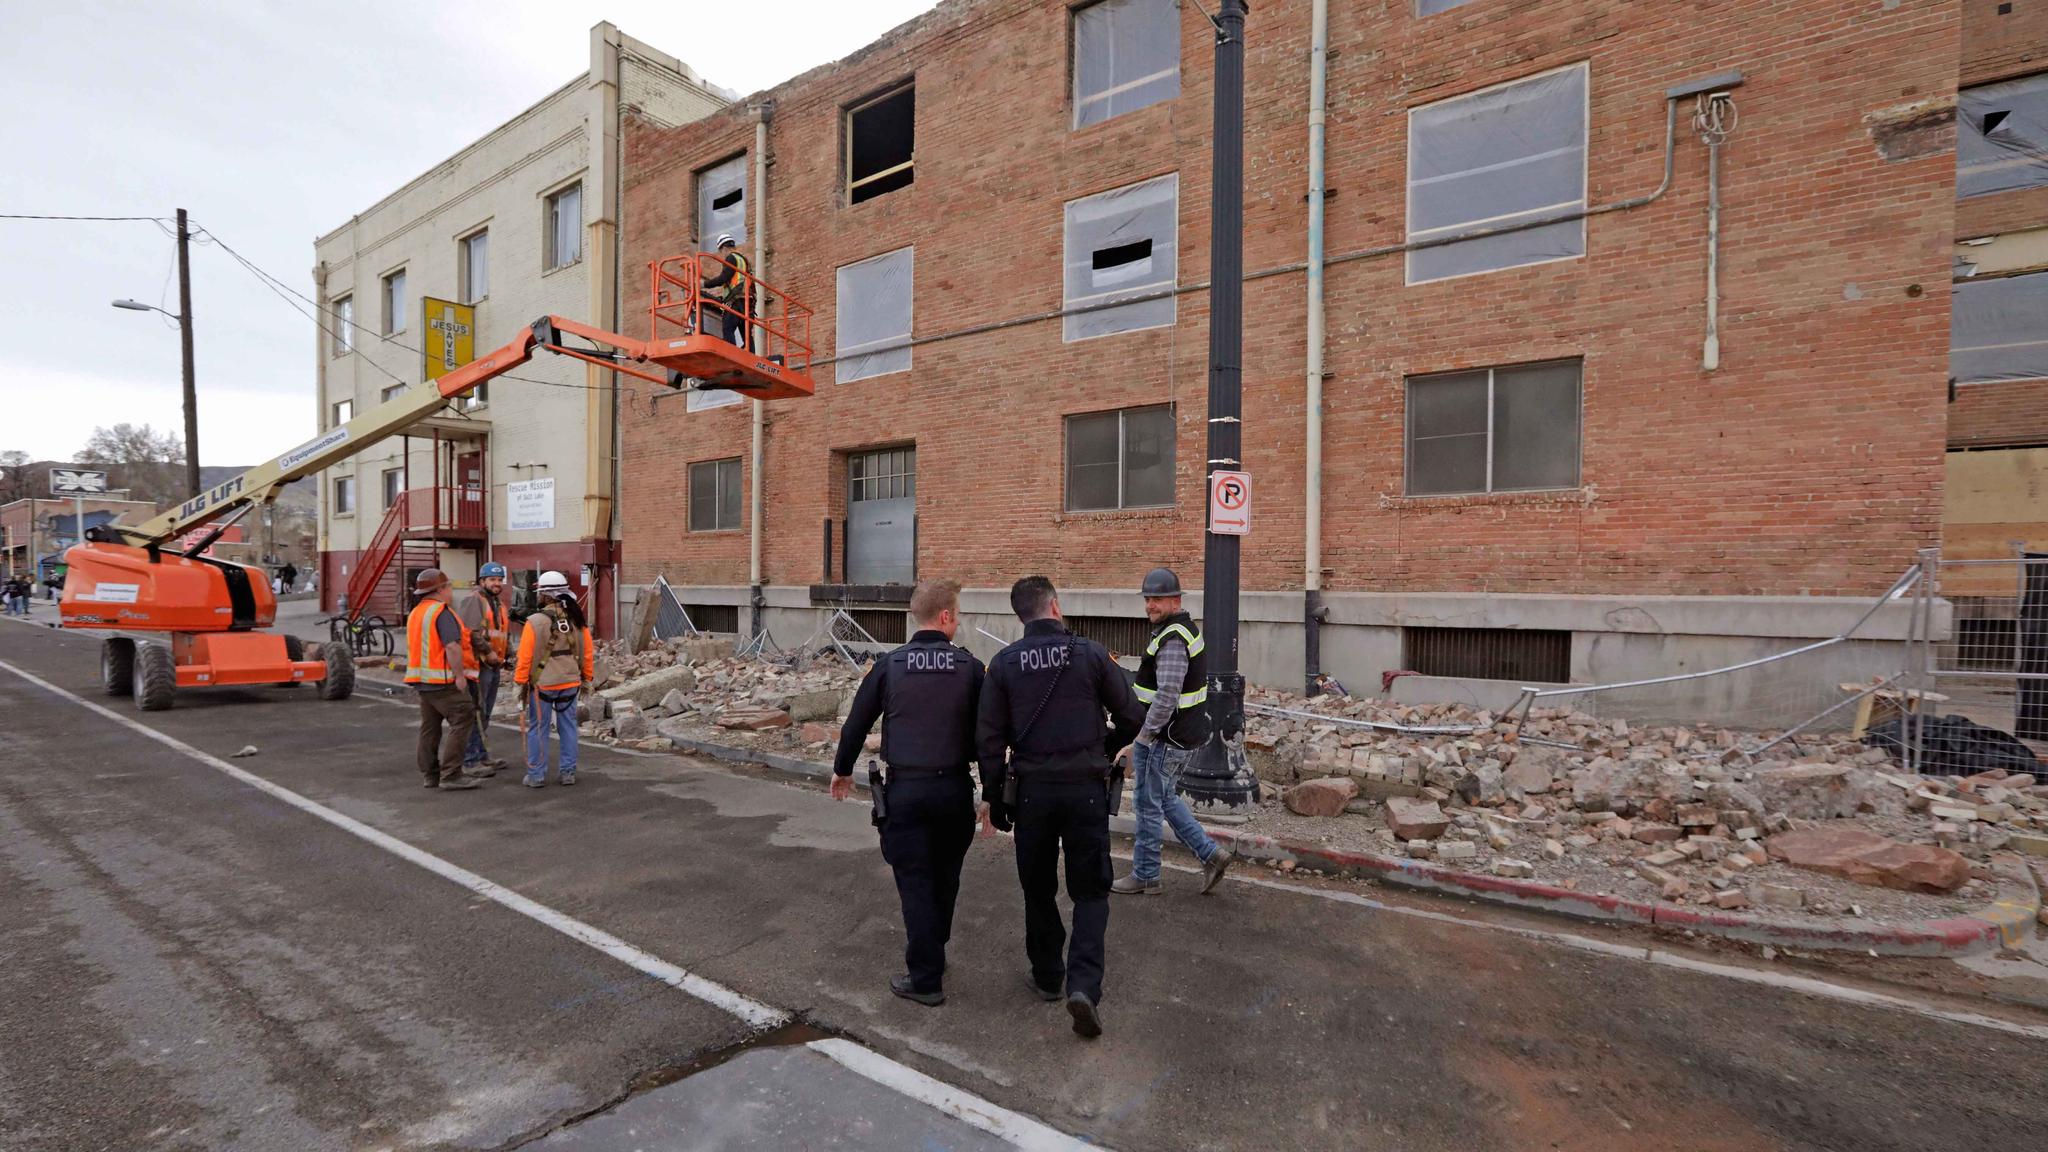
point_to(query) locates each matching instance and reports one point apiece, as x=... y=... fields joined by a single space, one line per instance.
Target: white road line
x=1021 y=1131
x=1027 y=1134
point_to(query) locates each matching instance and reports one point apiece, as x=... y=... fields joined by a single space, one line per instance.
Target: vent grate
x=1526 y=655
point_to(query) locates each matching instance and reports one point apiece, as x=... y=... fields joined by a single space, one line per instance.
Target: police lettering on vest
x=925 y=694
x=1053 y=689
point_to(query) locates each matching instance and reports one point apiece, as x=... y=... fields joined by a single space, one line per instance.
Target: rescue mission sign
x=1230 y=503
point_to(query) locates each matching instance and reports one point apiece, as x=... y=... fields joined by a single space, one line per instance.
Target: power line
x=28 y=216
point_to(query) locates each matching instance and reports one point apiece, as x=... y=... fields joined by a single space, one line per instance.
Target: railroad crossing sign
x=75 y=482
x=1230 y=503
x=451 y=335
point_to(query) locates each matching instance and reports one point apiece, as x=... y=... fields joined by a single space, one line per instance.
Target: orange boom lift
x=129 y=578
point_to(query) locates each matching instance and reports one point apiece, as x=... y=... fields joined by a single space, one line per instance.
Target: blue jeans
x=545 y=709
x=1158 y=767
x=483 y=690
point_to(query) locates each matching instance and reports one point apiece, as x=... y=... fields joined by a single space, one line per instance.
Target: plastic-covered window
x=1432 y=7
x=1126 y=56
x=1119 y=244
x=1508 y=155
x=873 y=327
x=1998 y=329
x=2002 y=137
x=722 y=203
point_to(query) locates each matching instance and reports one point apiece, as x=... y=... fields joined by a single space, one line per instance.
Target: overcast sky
x=271 y=124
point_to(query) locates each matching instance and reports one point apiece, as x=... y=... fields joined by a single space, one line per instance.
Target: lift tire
x=156 y=677
x=294 y=648
x=340 y=680
x=117 y=665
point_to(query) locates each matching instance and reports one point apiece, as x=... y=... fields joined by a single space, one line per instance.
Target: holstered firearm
x=1116 y=787
x=1010 y=789
x=878 y=795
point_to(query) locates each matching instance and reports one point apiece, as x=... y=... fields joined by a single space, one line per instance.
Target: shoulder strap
x=1018 y=739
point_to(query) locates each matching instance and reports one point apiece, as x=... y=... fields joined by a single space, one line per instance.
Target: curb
x=2002 y=924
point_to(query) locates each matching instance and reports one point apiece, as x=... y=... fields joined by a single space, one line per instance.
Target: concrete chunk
x=1415 y=819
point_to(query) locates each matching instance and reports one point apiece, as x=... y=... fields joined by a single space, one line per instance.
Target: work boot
x=1049 y=995
x=460 y=783
x=432 y=782
x=566 y=779
x=1215 y=866
x=901 y=986
x=1087 y=1021
x=1132 y=886
x=535 y=780
x=482 y=770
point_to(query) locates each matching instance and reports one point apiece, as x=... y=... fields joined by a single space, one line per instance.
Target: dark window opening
x=1993 y=119
x=1122 y=635
x=881 y=137
x=886 y=625
x=2005 y=9
x=729 y=199
x=715 y=617
x=1122 y=254
x=1526 y=655
x=1986 y=644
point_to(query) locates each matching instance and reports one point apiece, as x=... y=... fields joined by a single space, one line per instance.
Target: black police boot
x=901 y=986
x=1049 y=995
x=1087 y=1021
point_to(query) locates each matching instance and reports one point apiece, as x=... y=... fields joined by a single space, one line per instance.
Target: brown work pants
x=440 y=756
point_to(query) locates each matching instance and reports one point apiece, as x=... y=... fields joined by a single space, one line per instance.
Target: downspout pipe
x=757 y=599
x=1312 y=611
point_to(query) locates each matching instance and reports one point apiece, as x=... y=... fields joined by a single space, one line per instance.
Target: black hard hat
x=1160 y=582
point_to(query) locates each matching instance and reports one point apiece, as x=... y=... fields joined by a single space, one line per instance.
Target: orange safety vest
x=425 y=660
x=498 y=620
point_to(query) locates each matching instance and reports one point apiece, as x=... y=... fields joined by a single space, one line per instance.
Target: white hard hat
x=724 y=238
x=552 y=582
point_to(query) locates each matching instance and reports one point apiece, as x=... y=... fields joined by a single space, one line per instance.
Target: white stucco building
x=522 y=223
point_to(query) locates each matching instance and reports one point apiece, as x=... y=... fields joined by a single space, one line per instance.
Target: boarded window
x=1121 y=244
x=1121 y=459
x=1508 y=155
x=564 y=228
x=715 y=495
x=1523 y=655
x=722 y=203
x=1432 y=7
x=1494 y=430
x=2002 y=137
x=1998 y=329
x=1126 y=56
x=881 y=140
x=476 y=266
x=873 y=326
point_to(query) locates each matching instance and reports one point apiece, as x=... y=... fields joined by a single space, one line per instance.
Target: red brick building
x=1519 y=435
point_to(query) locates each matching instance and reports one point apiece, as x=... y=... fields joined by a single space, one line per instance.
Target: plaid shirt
x=1171 y=669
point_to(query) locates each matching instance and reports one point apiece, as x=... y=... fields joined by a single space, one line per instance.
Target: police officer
x=925 y=694
x=1173 y=684
x=1043 y=702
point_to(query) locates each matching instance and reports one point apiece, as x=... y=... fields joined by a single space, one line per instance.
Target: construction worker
x=1043 y=703
x=731 y=288
x=925 y=694
x=435 y=642
x=557 y=662
x=1173 y=684
x=488 y=618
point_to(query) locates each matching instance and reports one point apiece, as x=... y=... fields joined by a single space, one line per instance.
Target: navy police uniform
x=925 y=693
x=1044 y=701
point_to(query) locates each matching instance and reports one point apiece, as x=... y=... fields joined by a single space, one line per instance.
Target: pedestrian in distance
x=488 y=618
x=729 y=287
x=1043 y=706
x=925 y=693
x=557 y=662
x=1173 y=684
x=289 y=575
x=435 y=648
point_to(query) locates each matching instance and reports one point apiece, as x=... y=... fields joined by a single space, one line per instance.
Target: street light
x=184 y=318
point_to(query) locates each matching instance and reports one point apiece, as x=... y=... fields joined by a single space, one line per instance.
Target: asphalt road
x=186 y=961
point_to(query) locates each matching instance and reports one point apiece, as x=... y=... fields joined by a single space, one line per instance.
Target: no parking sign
x=1230 y=503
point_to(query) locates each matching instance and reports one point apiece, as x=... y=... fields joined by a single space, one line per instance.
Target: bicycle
x=368 y=636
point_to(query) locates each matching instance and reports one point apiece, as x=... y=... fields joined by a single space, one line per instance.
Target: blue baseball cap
x=490 y=570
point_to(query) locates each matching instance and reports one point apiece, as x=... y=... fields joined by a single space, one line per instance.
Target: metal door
x=881 y=517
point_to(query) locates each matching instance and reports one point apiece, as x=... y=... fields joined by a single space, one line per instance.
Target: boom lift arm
x=761 y=378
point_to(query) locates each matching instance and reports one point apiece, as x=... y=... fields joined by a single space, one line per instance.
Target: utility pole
x=192 y=484
x=1219 y=776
